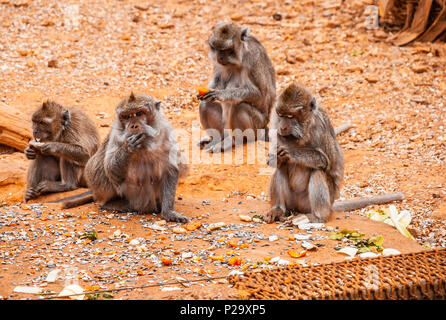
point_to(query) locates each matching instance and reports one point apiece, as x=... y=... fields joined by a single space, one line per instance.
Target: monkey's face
x=134 y=121
x=137 y=114
x=49 y=121
x=292 y=121
x=225 y=44
x=294 y=109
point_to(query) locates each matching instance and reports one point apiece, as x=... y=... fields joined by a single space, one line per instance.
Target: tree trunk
x=15 y=128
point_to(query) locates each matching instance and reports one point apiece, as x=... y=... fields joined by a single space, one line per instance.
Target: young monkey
x=310 y=162
x=64 y=140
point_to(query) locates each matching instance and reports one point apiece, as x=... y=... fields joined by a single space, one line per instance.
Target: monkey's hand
x=283 y=156
x=272 y=160
x=174 y=216
x=136 y=141
x=273 y=215
x=47 y=148
x=30 y=153
x=210 y=96
x=31 y=193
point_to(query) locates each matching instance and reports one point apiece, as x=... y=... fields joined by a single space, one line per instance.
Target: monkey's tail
x=342 y=128
x=75 y=201
x=359 y=203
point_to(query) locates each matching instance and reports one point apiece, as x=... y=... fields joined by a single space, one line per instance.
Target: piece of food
x=297 y=254
x=202 y=90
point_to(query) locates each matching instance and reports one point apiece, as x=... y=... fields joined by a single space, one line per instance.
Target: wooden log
x=15 y=128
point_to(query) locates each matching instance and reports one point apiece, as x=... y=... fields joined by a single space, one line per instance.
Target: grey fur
x=138 y=171
x=243 y=89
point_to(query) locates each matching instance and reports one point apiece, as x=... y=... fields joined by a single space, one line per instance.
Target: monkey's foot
x=220 y=146
x=174 y=216
x=31 y=193
x=316 y=218
x=273 y=215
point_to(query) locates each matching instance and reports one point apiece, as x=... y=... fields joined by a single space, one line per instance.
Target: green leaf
x=107 y=295
x=92 y=235
x=377 y=241
x=92 y=296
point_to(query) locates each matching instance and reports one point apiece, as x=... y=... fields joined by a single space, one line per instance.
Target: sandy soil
x=394 y=97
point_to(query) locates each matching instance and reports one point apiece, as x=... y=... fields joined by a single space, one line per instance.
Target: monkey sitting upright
x=138 y=165
x=64 y=140
x=310 y=162
x=243 y=87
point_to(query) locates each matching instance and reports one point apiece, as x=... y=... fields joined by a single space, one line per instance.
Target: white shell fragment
x=216 y=225
x=300 y=219
x=33 y=290
x=283 y=262
x=179 y=230
x=156 y=227
x=170 y=288
x=134 y=242
x=52 y=276
x=186 y=255
x=368 y=255
x=73 y=289
x=389 y=252
x=245 y=218
x=308 y=226
x=351 y=252
x=273 y=238
x=308 y=245
x=299 y=236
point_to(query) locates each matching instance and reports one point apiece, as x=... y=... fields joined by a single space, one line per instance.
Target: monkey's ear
x=132 y=96
x=245 y=33
x=158 y=105
x=66 y=117
x=45 y=104
x=313 y=104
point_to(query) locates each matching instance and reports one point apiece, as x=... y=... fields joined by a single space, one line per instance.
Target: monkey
x=242 y=87
x=64 y=140
x=138 y=165
x=309 y=161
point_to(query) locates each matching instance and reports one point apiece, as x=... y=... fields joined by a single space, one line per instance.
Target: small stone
x=273 y=238
x=245 y=218
x=179 y=230
x=53 y=63
x=215 y=226
x=134 y=242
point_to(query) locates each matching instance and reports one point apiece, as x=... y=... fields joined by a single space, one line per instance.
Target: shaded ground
x=393 y=96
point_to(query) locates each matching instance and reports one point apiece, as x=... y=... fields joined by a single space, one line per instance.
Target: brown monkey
x=138 y=165
x=64 y=140
x=310 y=162
x=243 y=87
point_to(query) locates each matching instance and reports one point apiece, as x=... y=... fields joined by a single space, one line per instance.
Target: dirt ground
x=393 y=96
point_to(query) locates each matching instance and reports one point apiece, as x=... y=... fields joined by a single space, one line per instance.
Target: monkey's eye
x=125 y=116
x=139 y=114
x=42 y=123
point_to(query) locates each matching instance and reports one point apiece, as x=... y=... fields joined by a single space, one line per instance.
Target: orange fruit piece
x=202 y=90
x=297 y=255
x=166 y=262
x=234 y=261
x=216 y=258
x=232 y=243
x=191 y=226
